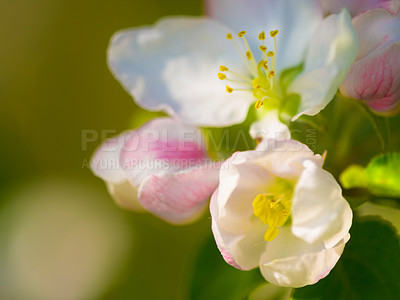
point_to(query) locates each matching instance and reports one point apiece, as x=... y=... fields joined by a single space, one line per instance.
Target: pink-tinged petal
x=173 y=66
x=296 y=21
x=319 y=211
x=376 y=79
x=290 y=261
x=105 y=162
x=179 y=198
x=239 y=234
x=162 y=145
x=125 y=195
x=356 y=6
x=376 y=28
x=240 y=250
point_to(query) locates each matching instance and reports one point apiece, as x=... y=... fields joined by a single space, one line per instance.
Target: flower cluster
x=272 y=207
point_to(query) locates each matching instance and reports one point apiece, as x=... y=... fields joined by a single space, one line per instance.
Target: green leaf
x=368 y=269
x=354 y=177
x=384 y=175
x=213 y=278
x=381 y=177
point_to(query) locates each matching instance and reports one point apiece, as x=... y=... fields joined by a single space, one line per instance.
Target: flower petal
x=239 y=234
x=353 y=6
x=173 y=67
x=331 y=52
x=162 y=145
x=319 y=211
x=125 y=195
x=296 y=21
x=376 y=28
x=105 y=161
x=269 y=127
x=376 y=79
x=290 y=261
x=179 y=198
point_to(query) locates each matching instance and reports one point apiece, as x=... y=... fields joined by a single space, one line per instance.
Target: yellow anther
x=271 y=74
x=263 y=48
x=261 y=36
x=265 y=65
x=270 y=53
x=259 y=103
x=221 y=76
x=241 y=34
x=229 y=89
x=229 y=36
x=248 y=55
x=223 y=68
x=273 y=33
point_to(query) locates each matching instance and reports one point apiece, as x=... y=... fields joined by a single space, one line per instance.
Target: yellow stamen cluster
x=272 y=211
x=261 y=80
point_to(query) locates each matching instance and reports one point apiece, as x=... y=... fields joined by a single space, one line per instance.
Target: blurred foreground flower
x=162 y=167
x=173 y=66
x=375 y=75
x=276 y=208
x=354 y=6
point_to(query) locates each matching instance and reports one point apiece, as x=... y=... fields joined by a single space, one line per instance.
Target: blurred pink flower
x=277 y=209
x=353 y=6
x=375 y=75
x=162 y=167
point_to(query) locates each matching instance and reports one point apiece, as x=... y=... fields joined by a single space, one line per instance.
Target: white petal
x=125 y=195
x=240 y=250
x=331 y=52
x=376 y=28
x=296 y=21
x=239 y=234
x=179 y=198
x=269 y=127
x=289 y=261
x=162 y=145
x=319 y=211
x=105 y=161
x=173 y=67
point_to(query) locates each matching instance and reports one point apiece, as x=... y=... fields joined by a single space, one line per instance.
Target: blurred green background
x=61 y=236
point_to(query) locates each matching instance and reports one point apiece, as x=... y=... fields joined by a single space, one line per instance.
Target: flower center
x=273 y=208
x=262 y=79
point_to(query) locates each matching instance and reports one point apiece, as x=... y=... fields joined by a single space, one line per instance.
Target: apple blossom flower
x=277 y=209
x=173 y=66
x=375 y=75
x=162 y=167
x=353 y=6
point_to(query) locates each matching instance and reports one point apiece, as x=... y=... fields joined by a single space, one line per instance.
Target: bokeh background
x=61 y=236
